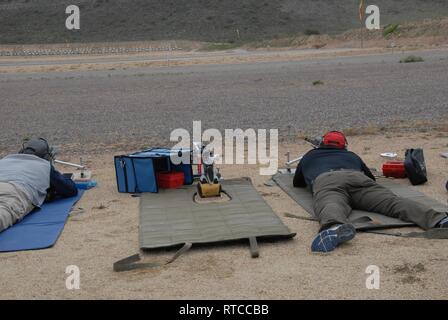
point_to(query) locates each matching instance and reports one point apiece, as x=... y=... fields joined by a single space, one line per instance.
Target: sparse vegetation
x=390 y=28
x=411 y=58
x=318 y=83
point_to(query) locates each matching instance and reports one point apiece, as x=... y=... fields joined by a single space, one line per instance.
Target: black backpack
x=414 y=163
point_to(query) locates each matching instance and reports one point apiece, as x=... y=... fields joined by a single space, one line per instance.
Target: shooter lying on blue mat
x=340 y=181
x=27 y=179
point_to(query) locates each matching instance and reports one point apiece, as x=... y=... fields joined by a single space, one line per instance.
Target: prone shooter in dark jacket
x=340 y=181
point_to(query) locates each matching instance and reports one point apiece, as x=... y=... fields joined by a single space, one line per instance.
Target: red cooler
x=170 y=180
x=394 y=169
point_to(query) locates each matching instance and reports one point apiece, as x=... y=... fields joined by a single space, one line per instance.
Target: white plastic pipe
x=294 y=161
x=70 y=164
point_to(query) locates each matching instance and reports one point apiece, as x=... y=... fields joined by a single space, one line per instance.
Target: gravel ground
x=141 y=106
x=107 y=230
x=126 y=107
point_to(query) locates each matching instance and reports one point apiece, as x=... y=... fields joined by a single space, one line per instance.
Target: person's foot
x=329 y=239
x=443 y=223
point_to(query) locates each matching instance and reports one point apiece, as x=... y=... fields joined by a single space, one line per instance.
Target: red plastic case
x=170 y=180
x=394 y=169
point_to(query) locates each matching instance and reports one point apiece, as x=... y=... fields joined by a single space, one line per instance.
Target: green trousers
x=14 y=205
x=336 y=193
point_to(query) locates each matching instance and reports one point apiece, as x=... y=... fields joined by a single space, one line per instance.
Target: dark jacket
x=60 y=186
x=324 y=159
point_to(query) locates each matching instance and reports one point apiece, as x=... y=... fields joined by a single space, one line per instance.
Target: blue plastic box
x=136 y=172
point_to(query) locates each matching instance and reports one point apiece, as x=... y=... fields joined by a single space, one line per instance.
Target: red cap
x=335 y=139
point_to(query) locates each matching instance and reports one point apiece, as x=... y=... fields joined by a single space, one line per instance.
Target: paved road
x=144 y=105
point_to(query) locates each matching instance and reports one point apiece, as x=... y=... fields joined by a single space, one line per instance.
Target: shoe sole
x=328 y=240
x=346 y=232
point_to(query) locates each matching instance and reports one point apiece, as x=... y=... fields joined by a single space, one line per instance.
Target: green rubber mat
x=172 y=217
x=362 y=220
